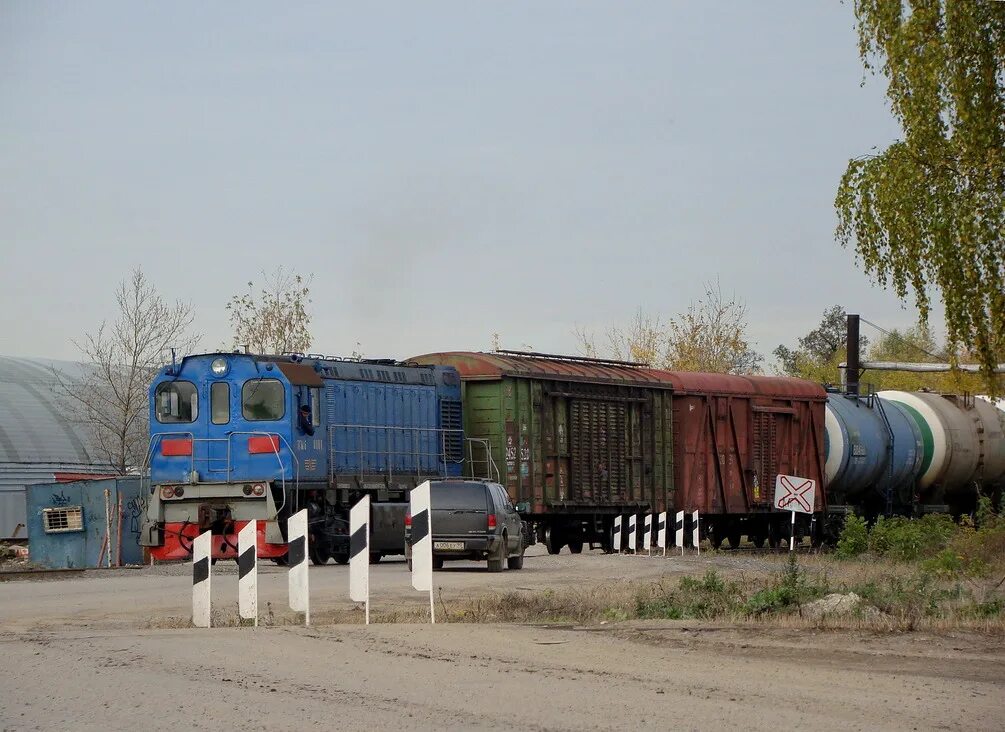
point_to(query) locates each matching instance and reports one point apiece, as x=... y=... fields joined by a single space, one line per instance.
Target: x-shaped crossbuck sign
x=796 y=494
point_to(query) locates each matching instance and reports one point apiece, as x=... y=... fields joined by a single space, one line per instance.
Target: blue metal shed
x=68 y=522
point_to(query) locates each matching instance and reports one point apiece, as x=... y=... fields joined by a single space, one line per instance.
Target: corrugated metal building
x=38 y=444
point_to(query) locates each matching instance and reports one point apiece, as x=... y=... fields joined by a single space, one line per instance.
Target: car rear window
x=469 y=496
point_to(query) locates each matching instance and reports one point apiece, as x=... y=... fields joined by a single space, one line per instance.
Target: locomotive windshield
x=263 y=399
x=177 y=401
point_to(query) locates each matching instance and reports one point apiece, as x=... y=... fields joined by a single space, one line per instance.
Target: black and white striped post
x=296 y=540
x=202 y=550
x=359 y=553
x=632 y=532
x=661 y=532
x=695 y=535
x=616 y=537
x=247 y=571
x=647 y=533
x=680 y=531
x=422 y=543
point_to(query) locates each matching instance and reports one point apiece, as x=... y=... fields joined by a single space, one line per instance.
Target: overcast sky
x=445 y=170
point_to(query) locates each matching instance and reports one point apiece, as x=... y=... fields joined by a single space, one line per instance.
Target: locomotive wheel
x=576 y=547
x=552 y=540
x=758 y=540
x=714 y=537
x=341 y=558
x=319 y=554
x=734 y=538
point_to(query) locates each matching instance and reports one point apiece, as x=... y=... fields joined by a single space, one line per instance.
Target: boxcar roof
x=474 y=365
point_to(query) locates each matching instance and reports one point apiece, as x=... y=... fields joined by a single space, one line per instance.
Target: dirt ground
x=110 y=650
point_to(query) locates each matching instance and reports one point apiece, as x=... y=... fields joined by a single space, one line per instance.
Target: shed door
x=597 y=451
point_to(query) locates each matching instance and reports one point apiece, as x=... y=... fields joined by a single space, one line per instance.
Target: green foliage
x=985 y=516
x=790 y=590
x=927 y=214
x=911 y=597
x=820 y=351
x=705 y=598
x=985 y=610
x=909 y=540
x=854 y=538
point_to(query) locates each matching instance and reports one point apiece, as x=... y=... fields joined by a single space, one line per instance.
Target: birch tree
x=276 y=318
x=926 y=215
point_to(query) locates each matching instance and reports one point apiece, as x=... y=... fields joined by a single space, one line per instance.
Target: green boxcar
x=575 y=444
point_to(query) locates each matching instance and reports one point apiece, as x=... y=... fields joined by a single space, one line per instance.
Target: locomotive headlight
x=219 y=366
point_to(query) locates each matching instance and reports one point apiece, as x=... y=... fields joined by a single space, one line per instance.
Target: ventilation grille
x=62 y=520
x=453 y=437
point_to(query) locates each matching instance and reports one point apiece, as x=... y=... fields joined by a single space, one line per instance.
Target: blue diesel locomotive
x=235 y=437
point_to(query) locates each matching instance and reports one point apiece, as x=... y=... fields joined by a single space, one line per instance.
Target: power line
x=899 y=338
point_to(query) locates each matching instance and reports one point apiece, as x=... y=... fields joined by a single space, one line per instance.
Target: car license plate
x=448 y=545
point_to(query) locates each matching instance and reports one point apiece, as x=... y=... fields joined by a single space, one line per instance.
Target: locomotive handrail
x=154 y=439
x=413 y=434
x=490 y=463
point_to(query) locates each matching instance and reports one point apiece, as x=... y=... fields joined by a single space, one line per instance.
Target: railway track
x=8 y=575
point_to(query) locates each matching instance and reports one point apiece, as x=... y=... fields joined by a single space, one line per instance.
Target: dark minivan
x=472 y=519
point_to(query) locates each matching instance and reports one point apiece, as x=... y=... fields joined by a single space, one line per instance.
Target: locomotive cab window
x=263 y=400
x=219 y=402
x=177 y=401
x=316 y=407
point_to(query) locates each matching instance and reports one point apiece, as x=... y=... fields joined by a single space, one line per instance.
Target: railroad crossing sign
x=793 y=493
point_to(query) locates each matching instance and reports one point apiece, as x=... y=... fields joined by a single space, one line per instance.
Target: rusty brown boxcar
x=579 y=441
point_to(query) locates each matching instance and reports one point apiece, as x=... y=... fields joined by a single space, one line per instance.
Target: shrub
x=911 y=539
x=985 y=516
x=705 y=598
x=791 y=589
x=854 y=538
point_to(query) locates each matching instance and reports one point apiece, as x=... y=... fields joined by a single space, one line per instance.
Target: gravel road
x=91 y=653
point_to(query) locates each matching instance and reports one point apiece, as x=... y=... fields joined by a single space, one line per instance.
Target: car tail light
x=176 y=447
x=258 y=489
x=492 y=520
x=408 y=520
x=258 y=445
x=167 y=491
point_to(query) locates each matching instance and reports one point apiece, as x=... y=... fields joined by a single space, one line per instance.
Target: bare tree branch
x=110 y=397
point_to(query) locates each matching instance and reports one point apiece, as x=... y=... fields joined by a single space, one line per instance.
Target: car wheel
x=576 y=547
x=516 y=562
x=734 y=539
x=375 y=557
x=341 y=558
x=437 y=562
x=497 y=560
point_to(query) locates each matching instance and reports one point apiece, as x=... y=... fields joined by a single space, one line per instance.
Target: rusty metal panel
x=729 y=448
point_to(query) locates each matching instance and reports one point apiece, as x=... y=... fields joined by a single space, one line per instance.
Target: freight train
x=575 y=441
